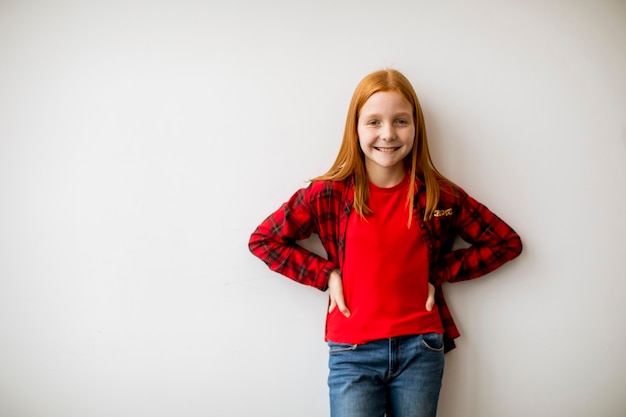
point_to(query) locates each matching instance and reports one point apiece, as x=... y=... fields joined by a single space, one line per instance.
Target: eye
x=402 y=122
x=373 y=122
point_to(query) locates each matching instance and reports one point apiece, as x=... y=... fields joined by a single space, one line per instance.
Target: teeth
x=385 y=149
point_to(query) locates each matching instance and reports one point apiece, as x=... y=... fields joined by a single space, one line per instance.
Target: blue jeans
x=397 y=377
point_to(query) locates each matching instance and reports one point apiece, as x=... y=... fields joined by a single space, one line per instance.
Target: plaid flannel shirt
x=323 y=208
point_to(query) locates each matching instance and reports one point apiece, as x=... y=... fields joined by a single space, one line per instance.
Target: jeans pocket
x=433 y=342
x=334 y=347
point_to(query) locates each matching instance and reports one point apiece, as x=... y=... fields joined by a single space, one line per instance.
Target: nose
x=387 y=132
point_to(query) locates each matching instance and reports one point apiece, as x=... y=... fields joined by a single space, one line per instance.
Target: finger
x=337 y=300
x=341 y=304
x=335 y=286
x=332 y=305
x=430 y=301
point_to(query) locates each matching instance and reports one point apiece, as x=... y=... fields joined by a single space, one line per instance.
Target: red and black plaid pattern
x=324 y=207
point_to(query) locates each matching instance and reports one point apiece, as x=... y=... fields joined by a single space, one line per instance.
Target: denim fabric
x=396 y=377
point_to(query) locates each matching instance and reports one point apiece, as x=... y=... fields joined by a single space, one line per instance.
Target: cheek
x=410 y=144
x=361 y=138
x=411 y=139
x=359 y=133
x=361 y=144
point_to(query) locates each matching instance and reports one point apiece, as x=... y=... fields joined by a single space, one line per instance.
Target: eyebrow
x=376 y=115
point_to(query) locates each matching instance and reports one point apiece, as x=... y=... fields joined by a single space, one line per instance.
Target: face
x=386 y=131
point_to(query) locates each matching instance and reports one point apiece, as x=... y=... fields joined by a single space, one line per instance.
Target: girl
x=387 y=220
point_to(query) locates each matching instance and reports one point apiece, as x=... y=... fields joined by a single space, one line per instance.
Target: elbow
x=515 y=246
x=256 y=242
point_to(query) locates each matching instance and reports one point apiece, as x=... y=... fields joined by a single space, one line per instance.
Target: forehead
x=387 y=101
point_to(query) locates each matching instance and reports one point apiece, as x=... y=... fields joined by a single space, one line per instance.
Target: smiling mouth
x=386 y=150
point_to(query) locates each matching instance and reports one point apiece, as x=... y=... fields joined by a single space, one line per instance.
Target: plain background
x=141 y=142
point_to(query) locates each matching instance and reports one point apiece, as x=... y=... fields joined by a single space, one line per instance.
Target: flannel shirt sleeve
x=492 y=243
x=275 y=242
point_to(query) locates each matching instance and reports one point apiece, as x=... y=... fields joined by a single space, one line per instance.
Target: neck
x=385 y=177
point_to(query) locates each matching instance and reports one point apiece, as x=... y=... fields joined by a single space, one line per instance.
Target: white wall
x=141 y=143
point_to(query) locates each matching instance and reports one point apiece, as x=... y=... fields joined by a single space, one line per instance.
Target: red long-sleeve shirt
x=324 y=208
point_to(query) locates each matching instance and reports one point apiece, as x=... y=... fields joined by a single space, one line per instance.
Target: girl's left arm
x=492 y=243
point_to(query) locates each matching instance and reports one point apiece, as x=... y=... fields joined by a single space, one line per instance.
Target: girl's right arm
x=275 y=242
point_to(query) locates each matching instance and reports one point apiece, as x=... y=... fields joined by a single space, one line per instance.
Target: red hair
x=351 y=160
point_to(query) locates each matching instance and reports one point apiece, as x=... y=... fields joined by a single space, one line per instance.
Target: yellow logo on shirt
x=442 y=213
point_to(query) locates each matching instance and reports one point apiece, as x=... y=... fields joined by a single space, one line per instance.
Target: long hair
x=351 y=160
